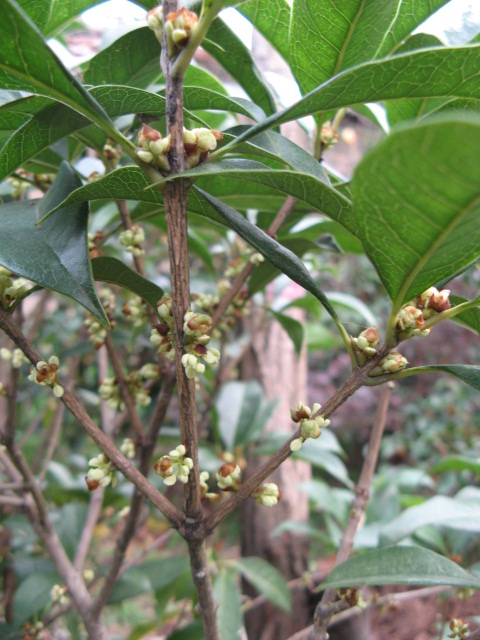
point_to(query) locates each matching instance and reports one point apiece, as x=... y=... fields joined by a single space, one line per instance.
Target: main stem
x=175 y=198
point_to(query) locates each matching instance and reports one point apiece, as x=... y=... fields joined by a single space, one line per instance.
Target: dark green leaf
x=195 y=98
x=133 y=59
x=317 y=455
x=229 y=51
x=32 y=595
x=457 y=74
x=54 y=254
x=272 y=19
x=470 y=374
x=115 y=271
x=469 y=319
x=272 y=250
x=51 y=15
x=266 y=579
x=399 y=565
x=28 y=63
x=229 y=614
x=456 y=463
x=192 y=631
x=68 y=523
x=327 y=37
x=417 y=201
x=132 y=584
x=292 y=327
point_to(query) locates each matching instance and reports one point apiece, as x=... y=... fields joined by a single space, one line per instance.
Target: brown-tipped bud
x=218 y=135
x=162 y=467
x=162 y=328
x=148 y=134
x=126 y=309
x=227 y=468
x=200 y=349
x=91 y=484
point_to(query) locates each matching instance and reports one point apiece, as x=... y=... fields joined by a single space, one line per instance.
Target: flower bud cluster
x=459 y=628
x=135 y=312
x=12 y=287
x=175 y=466
x=58 y=594
x=45 y=374
x=208 y=303
x=162 y=333
x=96 y=332
x=311 y=425
x=328 y=136
x=195 y=329
x=353 y=597
x=198 y=143
x=229 y=477
x=410 y=322
x=109 y=390
x=364 y=345
x=128 y=448
x=433 y=301
x=132 y=240
x=33 y=631
x=179 y=26
x=267 y=495
x=101 y=473
x=94 y=242
x=19 y=187
x=112 y=153
x=16 y=356
x=204 y=488
x=154 y=148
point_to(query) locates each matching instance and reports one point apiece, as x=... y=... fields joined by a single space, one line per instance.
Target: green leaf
x=266 y=579
x=272 y=250
x=327 y=37
x=115 y=271
x=52 y=15
x=417 y=200
x=272 y=19
x=201 y=98
x=132 y=584
x=306 y=187
x=399 y=565
x=439 y=511
x=32 y=595
x=316 y=454
x=457 y=74
x=292 y=327
x=468 y=373
x=353 y=304
x=28 y=63
x=192 y=631
x=456 y=463
x=54 y=254
x=470 y=319
x=229 y=614
x=229 y=51
x=133 y=59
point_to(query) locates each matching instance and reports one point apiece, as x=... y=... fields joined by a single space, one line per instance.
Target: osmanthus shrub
x=176 y=188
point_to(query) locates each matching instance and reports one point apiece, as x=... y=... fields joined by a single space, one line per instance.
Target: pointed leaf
x=457 y=74
x=27 y=63
x=51 y=15
x=468 y=373
x=237 y=405
x=54 y=254
x=272 y=250
x=358 y=30
x=229 y=51
x=266 y=579
x=399 y=565
x=114 y=271
x=417 y=200
x=229 y=614
x=469 y=319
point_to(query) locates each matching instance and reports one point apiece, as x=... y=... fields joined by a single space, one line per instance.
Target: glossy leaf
x=293 y=328
x=27 y=63
x=229 y=614
x=417 y=201
x=272 y=19
x=229 y=51
x=469 y=319
x=51 y=15
x=439 y=511
x=114 y=271
x=54 y=254
x=266 y=579
x=202 y=98
x=433 y=73
x=272 y=250
x=133 y=59
x=316 y=454
x=399 y=565
x=327 y=37
x=468 y=373
x=303 y=186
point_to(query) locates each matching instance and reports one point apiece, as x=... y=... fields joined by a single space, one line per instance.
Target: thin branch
x=123 y=385
x=323 y=612
x=93 y=514
x=51 y=440
x=72 y=403
x=285 y=210
x=12 y=501
x=156 y=545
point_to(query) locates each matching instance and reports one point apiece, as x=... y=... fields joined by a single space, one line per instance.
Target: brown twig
x=323 y=612
x=51 y=440
x=72 y=403
x=283 y=213
x=123 y=386
x=156 y=545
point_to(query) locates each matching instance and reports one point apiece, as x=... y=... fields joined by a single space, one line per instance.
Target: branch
x=72 y=403
x=323 y=612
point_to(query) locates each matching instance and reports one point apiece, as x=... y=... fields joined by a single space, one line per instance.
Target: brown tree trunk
x=272 y=360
